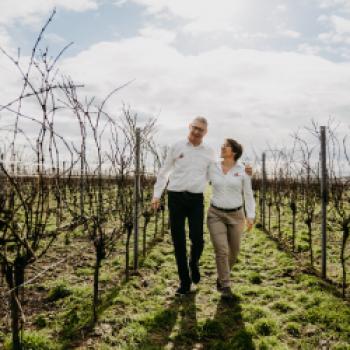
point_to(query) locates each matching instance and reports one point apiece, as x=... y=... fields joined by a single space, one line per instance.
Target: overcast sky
x=258 y=70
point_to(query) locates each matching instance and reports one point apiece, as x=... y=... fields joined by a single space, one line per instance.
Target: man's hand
x=248 y=169
x=155 y=203
x=249 y=223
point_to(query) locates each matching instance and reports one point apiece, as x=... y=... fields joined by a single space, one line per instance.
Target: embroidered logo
x=180 y=156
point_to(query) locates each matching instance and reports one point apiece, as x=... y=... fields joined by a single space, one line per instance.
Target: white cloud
x=252 y=95
x=340 y=30
x=308 y=49
x=209 y=24
x=291 y=34
x=323 y=18
x=160 y=34
x=5 y=39
x=207 y=16
x=341 y=25
x=32 y=11
x=334 y=38
x=244 y=93
x=120 y=3
x=281 y=7
x=242 y=23
x=54 y=38
x=343 y=5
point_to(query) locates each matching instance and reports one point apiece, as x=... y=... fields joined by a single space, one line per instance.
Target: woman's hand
x=249 y=223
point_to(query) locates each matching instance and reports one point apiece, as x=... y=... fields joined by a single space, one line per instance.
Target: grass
x=272 y=309
x=276 y=306
x=34 y=340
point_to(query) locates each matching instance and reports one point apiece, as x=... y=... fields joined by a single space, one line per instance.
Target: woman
x=226 y=216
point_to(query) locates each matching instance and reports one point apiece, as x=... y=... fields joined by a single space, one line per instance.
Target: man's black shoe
x=226 y=293
x=218 y=285
x=182 y=290
x=195 y=275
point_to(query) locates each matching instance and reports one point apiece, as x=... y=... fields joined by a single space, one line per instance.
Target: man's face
x=197 y=131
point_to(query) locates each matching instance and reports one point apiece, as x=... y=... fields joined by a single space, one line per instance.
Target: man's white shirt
x=186 y=167
x=228 y=188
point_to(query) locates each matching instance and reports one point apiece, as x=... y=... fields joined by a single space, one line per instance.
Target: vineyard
x=85 y=262
x=306 y=214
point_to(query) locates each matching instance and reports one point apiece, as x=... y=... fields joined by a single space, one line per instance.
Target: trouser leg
x=234 y=232
x=177 y=214
x=234 y=239
x=218 y=234
x=195 y=223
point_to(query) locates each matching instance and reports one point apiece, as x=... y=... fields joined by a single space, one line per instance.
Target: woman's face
x=226 y=150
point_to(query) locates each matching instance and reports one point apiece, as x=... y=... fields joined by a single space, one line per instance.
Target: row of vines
x=290 y=209
x=68 y=165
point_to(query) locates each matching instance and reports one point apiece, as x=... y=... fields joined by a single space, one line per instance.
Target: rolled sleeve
x=163 y=174
x=249 y=200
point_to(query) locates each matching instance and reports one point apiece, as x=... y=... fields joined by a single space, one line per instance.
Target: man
x=186 y=167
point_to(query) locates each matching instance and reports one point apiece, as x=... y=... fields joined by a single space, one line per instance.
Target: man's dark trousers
x=188 y=205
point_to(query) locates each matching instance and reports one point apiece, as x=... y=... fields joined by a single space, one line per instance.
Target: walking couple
x=189 y=165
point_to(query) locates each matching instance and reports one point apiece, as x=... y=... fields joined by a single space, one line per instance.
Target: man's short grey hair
x=201 y=120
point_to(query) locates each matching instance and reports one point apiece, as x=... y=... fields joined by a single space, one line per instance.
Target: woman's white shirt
x=228 y=188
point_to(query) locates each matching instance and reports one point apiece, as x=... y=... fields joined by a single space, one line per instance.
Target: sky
x=257 y=70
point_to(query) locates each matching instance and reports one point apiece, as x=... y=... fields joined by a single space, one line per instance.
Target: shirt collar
x=188 y=143
x=237 y=165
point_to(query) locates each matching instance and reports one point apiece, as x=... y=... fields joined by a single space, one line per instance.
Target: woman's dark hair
x=236 y=148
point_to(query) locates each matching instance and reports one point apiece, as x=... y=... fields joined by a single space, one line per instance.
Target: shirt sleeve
x=163 y=174
x=209 y=172
x=249 y=200
x=210 y=164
